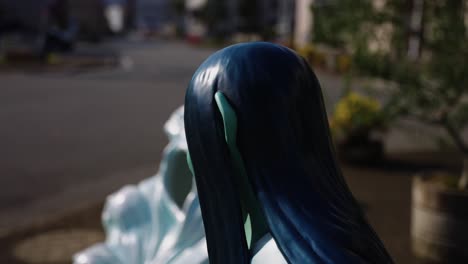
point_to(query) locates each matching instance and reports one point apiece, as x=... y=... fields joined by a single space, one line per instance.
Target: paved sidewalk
x=53 y=241
x=384 y=191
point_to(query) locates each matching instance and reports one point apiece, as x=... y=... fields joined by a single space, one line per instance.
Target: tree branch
x=457 y=138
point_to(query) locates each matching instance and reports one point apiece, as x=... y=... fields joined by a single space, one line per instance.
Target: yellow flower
x=354 y=112
x=343 y=63
x=306 y=51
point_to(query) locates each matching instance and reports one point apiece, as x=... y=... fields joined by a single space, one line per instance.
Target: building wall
x=286 y=18
x=152 y=14
x=22 y=13
x=89 y=15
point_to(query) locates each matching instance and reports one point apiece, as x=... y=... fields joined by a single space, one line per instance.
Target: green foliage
x=335 y=23
x=356 y=114
x=459 y=117
x=433 y=87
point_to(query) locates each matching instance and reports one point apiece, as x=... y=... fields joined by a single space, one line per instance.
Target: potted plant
x=440 y=199
x=356 y=125
x=439 y=97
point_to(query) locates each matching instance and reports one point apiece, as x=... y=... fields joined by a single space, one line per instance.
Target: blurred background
x=86 y=86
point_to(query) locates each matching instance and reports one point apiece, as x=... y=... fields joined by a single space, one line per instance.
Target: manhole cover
x=56 y=246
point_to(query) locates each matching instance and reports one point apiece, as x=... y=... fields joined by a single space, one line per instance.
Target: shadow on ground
x=55 y=241
x=384 y=190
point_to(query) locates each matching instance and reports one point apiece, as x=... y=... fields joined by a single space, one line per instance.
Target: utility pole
x=303 y=22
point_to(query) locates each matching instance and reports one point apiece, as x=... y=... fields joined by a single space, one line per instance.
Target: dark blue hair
x=284 y=140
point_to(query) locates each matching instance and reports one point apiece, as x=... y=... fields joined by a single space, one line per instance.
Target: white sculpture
x=157 y=221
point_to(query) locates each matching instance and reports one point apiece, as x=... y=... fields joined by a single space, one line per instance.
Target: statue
x=269 y=185
x=158 y=221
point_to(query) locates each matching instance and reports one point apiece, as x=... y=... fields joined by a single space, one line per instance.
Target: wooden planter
x=439 y=227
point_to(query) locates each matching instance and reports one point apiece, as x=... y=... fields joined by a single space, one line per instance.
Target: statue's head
x=260 y=145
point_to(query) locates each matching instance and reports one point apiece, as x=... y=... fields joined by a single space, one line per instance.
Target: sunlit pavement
x=69 y=138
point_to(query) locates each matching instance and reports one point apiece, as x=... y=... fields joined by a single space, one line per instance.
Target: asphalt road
x=67 y=139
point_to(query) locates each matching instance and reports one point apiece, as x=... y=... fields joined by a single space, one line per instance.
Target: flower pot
x=439 y=226
x=360 y=148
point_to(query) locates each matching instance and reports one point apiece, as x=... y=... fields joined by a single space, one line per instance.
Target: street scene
x=84 y=100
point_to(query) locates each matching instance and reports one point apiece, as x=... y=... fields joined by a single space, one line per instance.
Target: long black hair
x=284 y=140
